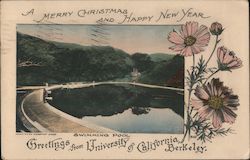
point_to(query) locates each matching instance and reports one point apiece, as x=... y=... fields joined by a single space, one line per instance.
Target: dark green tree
x=142 y=61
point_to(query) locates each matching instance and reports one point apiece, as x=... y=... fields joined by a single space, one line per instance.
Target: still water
x=124 y=108
x=156 y=121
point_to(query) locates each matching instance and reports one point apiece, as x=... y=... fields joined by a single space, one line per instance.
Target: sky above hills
x=130 y=38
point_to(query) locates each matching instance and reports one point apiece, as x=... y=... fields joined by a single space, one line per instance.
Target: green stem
x=216 y=43
x=193 y=62
x=195 y=114
x=187 y=131
x=211 y=75
x=191 y=111
x=188 y=123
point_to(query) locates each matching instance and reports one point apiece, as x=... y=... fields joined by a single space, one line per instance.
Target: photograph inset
x=98 y=78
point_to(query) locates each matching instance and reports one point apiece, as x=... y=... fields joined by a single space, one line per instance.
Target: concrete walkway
x=47 y=120
x=82 y=85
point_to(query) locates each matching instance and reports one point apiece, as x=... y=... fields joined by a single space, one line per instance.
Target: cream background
x=233 y=15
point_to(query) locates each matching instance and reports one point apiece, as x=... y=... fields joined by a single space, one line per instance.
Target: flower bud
x=216 y=28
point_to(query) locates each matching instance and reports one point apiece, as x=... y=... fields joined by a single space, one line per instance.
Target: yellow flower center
x=189 y=40
x=215 y=102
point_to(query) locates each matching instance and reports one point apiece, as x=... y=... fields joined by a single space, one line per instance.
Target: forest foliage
x=40 y=61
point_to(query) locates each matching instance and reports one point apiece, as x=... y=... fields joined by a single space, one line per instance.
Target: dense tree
x=142 y=61
x=40 y=61
x=165 y=70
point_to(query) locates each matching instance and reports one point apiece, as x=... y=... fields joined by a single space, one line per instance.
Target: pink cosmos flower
x=190 y=40
x=227 y=59
x=216 y=101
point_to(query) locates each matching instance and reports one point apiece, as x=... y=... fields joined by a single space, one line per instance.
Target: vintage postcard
x=125 y=79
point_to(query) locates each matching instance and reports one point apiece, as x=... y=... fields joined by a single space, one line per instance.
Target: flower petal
x=232 y=64
x=201 y=31
x=231 y=101
x=210 y=88
x=217 y=118
x=228 y=117
x=189 y=28
x=177 y=47
x=230 y=112
x=174 y=37
x=204 y=39
x=218 y=91
x=235 y=63
x=227 y=58
x=184 y=31
x=196 y=49
x=232 y=108
x=221 y=53
x=197 y=104
x=187 y=51
x=194 y=27
x=205 y=112
x=201 y=93
x=217 y=86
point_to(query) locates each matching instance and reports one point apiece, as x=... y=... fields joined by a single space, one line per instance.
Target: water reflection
x=125 y=108
x=156 y=121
